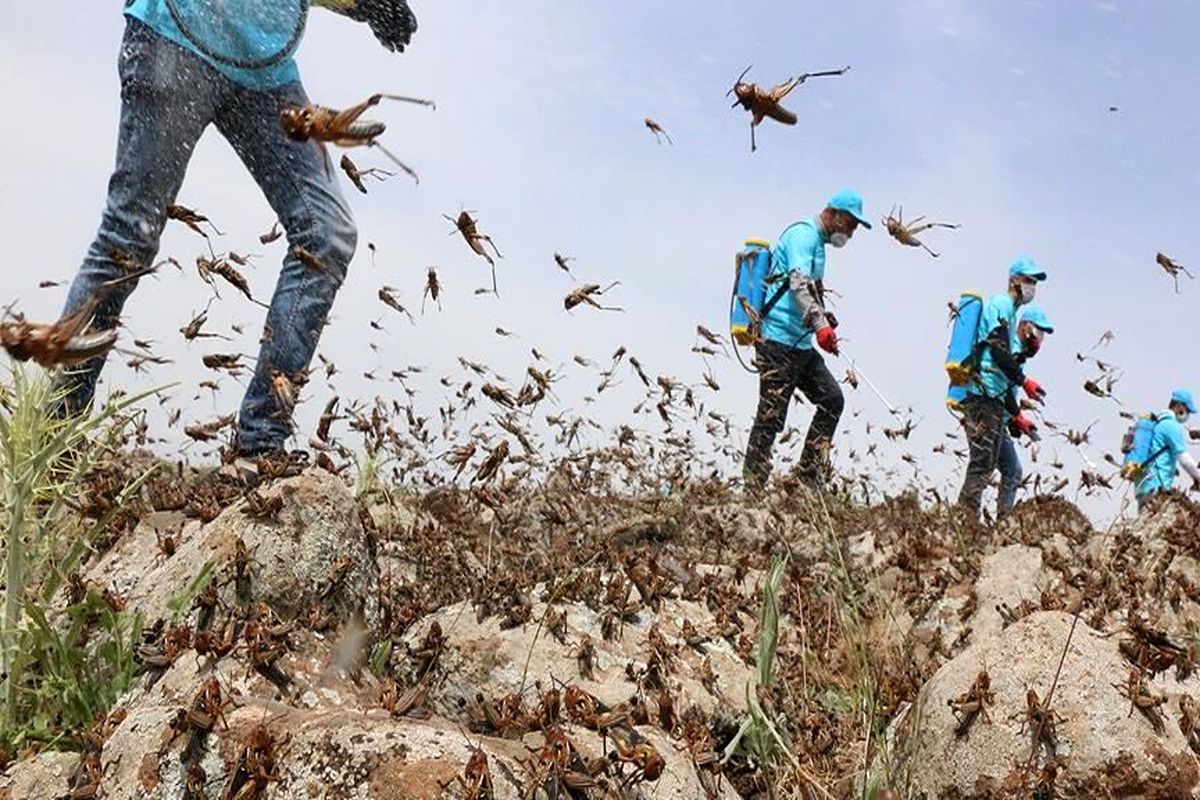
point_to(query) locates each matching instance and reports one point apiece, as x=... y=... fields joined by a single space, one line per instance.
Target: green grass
x=59 y=666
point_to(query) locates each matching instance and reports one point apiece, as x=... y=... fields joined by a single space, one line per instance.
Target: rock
x=1103 y=750
x=1010 y=575
x=480 y=657
x=313 y=554
x=46 y=776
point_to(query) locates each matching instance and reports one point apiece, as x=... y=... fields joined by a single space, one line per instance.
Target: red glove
x=1023 y=426
x=827 y=340
x=1034 y=390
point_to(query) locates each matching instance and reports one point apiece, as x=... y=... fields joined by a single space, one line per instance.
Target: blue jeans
x=168 y=98
x=1010 y=475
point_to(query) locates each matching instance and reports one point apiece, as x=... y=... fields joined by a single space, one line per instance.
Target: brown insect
x=972 y=703
x=1189 y=721
x=587 y=294
x=356 y=175
x=1172 y=268
x=207 y=431
x=68 y=341
x=271 y=235
x=658 y=132
x=476 y=778
x=253 y=766
x=1041 y=722
x=631 y=748
x=907 y=233
x=190 y=218
x=467 y=226
x=433 y=289
x=762 y=104
x=1142 y=699
x=343 y=127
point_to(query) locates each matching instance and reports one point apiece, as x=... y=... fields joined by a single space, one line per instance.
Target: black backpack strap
x=775 y=298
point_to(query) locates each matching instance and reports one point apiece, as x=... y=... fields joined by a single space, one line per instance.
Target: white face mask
x=839 y=239
x=1028 y=292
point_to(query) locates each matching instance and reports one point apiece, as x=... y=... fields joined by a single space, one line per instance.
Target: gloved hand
x=1021 y=425
x=827 y=340
x=392 y=21
x=1034 y=390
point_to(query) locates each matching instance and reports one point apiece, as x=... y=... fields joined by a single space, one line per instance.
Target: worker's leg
x=777 y=378
x=821 y=388
x=983 y=420
x=303 y=191
x=1010 y=475
x=167 y=98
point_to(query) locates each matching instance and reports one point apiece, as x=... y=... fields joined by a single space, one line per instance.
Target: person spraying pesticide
x=1156 y=446
x=1032 y=327
x=985 y=370
x=786 y=320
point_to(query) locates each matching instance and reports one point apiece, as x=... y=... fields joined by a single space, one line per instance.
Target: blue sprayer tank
x=752 y=264
x=1136 y=447
x=960 y=355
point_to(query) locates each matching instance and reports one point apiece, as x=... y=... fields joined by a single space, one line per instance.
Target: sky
x=995 y=116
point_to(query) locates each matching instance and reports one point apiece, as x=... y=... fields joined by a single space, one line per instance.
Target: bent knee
x=834 y=401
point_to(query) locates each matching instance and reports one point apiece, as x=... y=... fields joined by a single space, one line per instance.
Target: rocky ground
x=303 y=642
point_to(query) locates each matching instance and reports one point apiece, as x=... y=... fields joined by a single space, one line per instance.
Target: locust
x=1142 y=699
x=1172 y=268
x=972 y=703
x=343 y=128
x=69 y=341
x=659 y=133
x=762 y=104
x=563 y=262
x=356 y=175
x=587 y=294
x=906 y=234
x=191 y=218
x=467 y=226
x=433 y=289
x=389 y=299
x=271 y=235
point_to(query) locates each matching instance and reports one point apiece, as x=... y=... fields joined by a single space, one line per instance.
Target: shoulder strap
x=775 y=298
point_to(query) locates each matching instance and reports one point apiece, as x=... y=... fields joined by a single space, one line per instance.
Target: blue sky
x=992 y=115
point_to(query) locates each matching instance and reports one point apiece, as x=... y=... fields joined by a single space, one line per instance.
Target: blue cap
x=851 y=202
x=1025 y=267
x=1034 y=315
x=1184 y=398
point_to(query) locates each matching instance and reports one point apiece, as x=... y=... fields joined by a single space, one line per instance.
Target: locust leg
x=398 y=162
x=782 y=90
x=753 y=145
x=404 y=99
x=483 y=237
x=346 y=117
x=927 y=250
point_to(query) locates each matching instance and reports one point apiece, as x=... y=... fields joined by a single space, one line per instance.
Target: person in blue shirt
x=786 y=356
x=1032 y=327
x=1168 y=448
x=185 y=65
x=998 y=372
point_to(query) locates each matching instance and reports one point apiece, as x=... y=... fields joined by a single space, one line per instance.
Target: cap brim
x=861 y=220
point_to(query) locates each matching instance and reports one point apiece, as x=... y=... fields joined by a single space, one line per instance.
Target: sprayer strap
x=242 y=63
x=775 y=298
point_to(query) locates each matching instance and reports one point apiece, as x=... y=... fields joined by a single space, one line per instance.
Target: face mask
x=1028 y=292
x=1032 y=342
x=839 y=239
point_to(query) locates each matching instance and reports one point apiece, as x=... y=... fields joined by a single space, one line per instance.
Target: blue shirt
x=801 y=248
x=1169 y=443
x=989 y=380
x=247 y=31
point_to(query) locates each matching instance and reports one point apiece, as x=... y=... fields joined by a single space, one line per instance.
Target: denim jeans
x=1010 y=474
x=168 y=98
x=782 y=370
